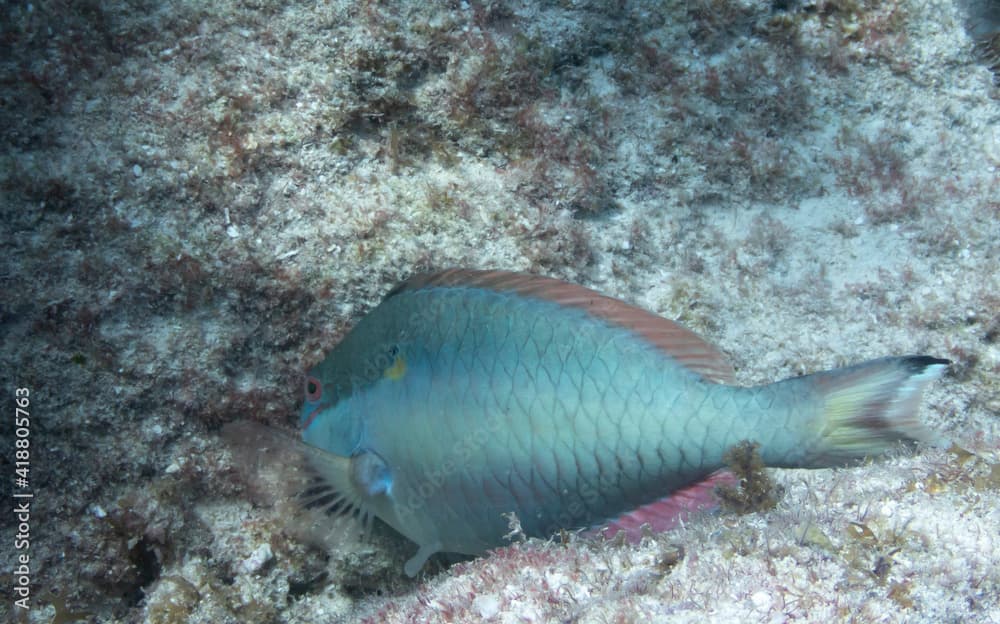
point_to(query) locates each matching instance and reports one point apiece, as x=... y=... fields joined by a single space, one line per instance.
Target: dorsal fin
x=678 y=342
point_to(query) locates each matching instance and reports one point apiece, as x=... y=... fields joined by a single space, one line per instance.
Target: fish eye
x=314 y=389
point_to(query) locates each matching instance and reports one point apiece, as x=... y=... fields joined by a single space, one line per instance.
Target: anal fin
x=666 y=513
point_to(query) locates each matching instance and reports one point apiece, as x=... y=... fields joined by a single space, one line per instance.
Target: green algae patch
x=755 y=491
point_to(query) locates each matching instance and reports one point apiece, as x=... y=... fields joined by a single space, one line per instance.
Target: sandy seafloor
x=198 y=200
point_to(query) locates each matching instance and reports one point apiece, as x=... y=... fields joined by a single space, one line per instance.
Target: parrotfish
x=467 y=395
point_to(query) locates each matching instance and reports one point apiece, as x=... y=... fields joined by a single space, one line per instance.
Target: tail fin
x=869 y=407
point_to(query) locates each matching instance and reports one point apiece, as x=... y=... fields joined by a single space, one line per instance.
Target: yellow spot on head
x=397 y=370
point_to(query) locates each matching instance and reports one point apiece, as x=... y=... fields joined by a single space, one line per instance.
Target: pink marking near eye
x=313 y=414
x=317 y=392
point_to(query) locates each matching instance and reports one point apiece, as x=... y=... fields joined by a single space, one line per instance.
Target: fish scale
x=467 y=395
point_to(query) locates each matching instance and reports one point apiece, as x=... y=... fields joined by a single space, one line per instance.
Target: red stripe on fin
x=666 y=513
x=678 y=342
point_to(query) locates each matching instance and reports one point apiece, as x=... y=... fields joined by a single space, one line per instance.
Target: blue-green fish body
x=467 y=395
